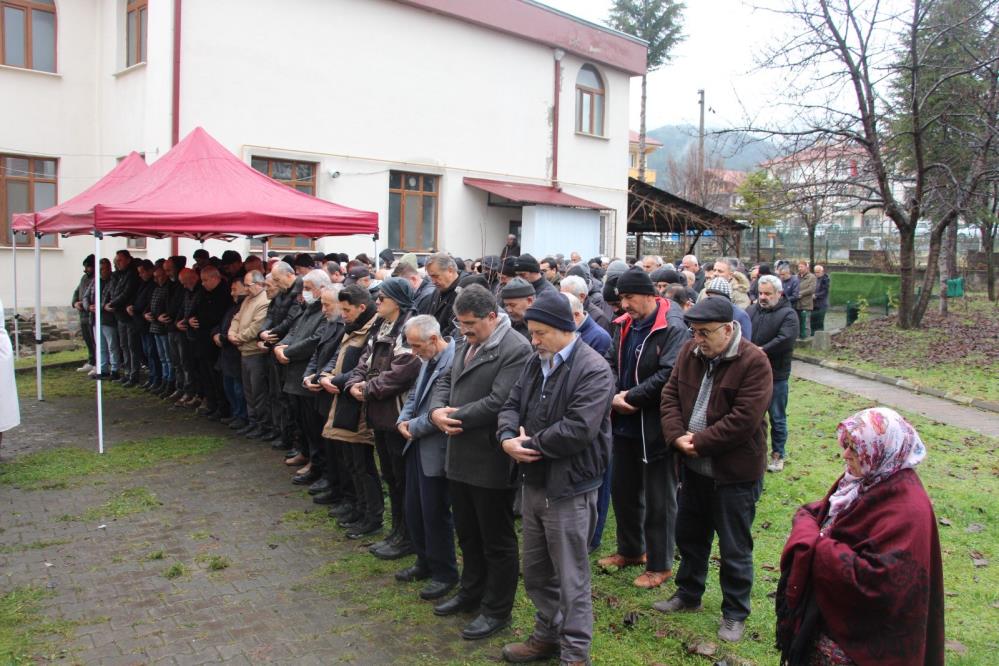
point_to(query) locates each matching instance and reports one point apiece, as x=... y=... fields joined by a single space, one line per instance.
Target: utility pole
x=700 y=151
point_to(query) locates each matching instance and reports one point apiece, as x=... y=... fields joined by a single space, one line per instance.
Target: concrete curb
x=987 y=405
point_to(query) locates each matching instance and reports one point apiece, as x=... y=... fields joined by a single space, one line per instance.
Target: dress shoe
x=205 y=408
x=254 y=433
x=530 y=650
x=237 y=423
x=413 y=573
x=436 y=589
x=484 y=627
x=326 y=499
x=342 y=509
x=364 y=529
x=648 y=580
x=280 y=445
x=459 y=603
x=305 y=479
x=227 y=419
x=351 y=521
x=676 y=604
x=174 y=395
x=248 y=427
x=394 y=551
x=620 y=561
x=216 y=415
x=302 y=471
x=296 y=460
x=320 y=486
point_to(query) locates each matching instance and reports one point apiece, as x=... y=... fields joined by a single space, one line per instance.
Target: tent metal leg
x=97 y=346
x=13 y=262
x=38 y=316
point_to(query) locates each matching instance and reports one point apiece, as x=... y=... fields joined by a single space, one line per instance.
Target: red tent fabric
x=108 y=188
x=201 y=190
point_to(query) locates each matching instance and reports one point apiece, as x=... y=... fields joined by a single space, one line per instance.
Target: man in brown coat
x=806 y=297
x=712 y=411
x=243 y=331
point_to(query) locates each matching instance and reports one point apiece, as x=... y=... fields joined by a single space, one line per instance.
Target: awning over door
x=524 y=194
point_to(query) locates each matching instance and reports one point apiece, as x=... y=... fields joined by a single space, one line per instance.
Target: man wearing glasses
x=465 y=406
x=643 y=474
x=712 y=412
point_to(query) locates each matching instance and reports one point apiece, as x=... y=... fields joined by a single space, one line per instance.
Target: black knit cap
x=491 y=262
x=610 y=290
x=552 y=308
x=517 y=288
x=399 y=290
x=635 y=281
x=473 y=278
x=510 y=266
x=527 y=264
x=304 y=260
x=230 y=257
x=710 y=310
x=667 y=275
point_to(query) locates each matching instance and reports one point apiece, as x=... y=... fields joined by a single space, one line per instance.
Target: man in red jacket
x=712 y=412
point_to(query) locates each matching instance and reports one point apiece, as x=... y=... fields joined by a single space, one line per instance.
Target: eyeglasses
x=379 y=299
x=464 y=325
x=703 y=332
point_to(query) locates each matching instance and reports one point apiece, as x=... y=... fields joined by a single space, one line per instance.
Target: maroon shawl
x=872 y=581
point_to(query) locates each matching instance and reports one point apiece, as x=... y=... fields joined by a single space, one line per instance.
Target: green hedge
x=845 y=287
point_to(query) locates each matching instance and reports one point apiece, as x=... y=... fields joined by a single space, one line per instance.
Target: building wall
x=360 y=88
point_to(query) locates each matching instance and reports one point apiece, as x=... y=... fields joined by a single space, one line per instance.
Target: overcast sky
x=723 y=40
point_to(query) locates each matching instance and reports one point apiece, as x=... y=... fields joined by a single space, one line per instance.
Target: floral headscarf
x=885 y=443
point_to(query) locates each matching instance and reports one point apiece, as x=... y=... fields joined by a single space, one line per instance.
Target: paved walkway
x=944 y=411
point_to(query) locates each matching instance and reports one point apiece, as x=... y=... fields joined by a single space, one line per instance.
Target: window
x=413 y=211
x=29 y=34
x=136 y=20
x=298 y=175
x=27 y=184
x=136 y=243
x=589 y=101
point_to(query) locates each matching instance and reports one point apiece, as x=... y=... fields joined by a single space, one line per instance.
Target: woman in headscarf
x=861 y=576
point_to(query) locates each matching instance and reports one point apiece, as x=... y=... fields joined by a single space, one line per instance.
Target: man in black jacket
x=775 y=328
x=556 y=426
x=212 y=302
x=445 y=274
x=644 y=480
x=139 y=327
x=190 y=293
x=281 y=314
x=121 y=293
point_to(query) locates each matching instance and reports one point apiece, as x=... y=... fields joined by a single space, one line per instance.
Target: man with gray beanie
x=556 y=426
x=712 y=413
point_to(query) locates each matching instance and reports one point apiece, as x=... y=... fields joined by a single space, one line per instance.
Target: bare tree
x=684 y=178
x=854 y=68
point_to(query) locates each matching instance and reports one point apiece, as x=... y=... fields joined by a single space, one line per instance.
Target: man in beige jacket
x=246 y=325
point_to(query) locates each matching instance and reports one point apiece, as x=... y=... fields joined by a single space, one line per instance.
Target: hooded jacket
x=388 y=368
x=347 y=422
x=655 y=363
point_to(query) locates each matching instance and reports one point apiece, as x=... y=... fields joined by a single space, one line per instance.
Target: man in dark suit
x=428 y=512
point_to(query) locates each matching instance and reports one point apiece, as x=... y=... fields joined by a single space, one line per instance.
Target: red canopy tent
x=199 y=190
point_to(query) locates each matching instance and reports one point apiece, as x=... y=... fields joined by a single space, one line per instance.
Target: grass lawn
x=53 y=358
x=961 y=475
x=958 y=354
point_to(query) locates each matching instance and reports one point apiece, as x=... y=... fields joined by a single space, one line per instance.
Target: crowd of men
x=477 y=391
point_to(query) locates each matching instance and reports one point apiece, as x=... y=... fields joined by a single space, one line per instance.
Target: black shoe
x=394 y=551
x=227 y=419
x=305 y=479
x=216 y=415
x=348 y=522
x=366 y=528
x=325 y=499
x=249 y=427
x=291 y=453
x=342 y=509
x=413 y=573
x=279 y=445
x=435 y=589
x=236 y=423
x=320 y=486
x=459 y=603
x=254 y=433
x=484 y=627
x=129 y=383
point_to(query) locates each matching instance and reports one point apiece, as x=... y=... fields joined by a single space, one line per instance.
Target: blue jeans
x=603 y=504
x=110 y=350
x=778 y=417
x=162 y=342
x=233 y=388
x=152 y=358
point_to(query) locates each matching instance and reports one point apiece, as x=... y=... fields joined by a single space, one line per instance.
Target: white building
x=383 y=105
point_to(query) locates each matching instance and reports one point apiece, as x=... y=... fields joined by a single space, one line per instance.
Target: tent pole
x=13 y=262
x=267 y=250
x=97 y=347
x=38 y=315
x=374 y=237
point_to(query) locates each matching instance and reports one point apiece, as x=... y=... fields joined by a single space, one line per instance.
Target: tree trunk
x=951 y=250
x=948 y=263
x=988 y=241
x=758 y=257
x=932 y=269
x=641 y=135
x=906 y=269
x=811 y=246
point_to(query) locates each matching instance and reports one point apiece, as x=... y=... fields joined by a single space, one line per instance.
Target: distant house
x=457 y=122
x=651 y=146
x=721 y=186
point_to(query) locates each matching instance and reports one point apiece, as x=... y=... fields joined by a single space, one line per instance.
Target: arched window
x=589 y=101
x=29 y=34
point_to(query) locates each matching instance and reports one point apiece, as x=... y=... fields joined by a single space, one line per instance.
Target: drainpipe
x=559 y=54
x=175 y=96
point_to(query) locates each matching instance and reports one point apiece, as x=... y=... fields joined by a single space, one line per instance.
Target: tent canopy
x=201 y=190
x=109 y=188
